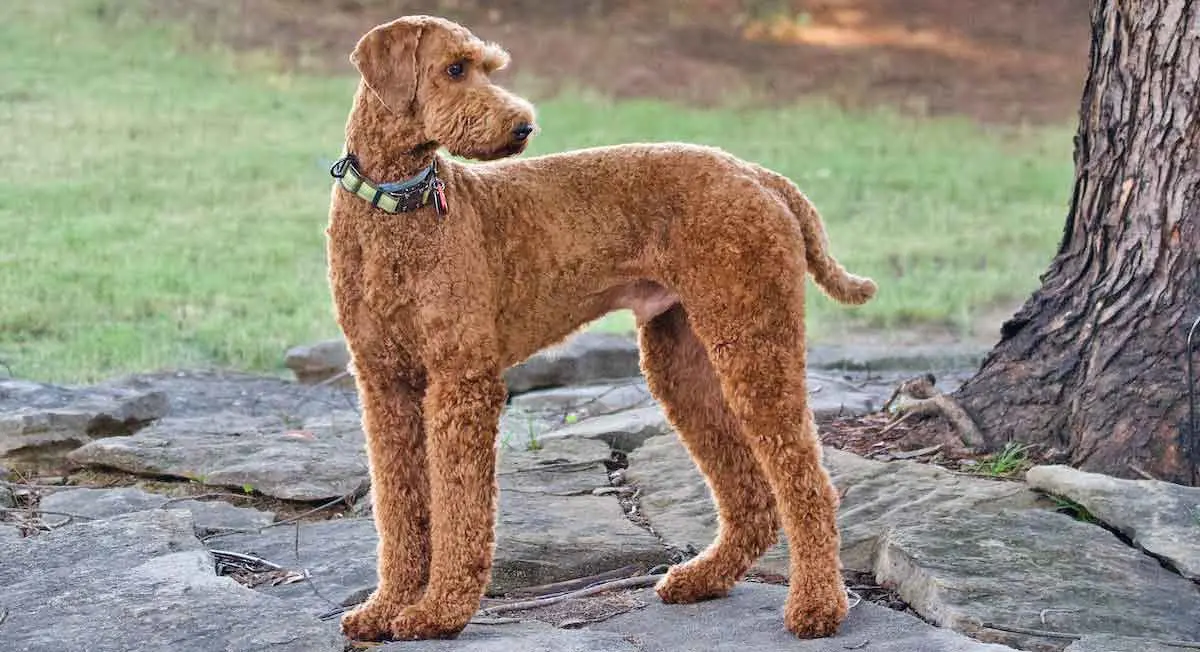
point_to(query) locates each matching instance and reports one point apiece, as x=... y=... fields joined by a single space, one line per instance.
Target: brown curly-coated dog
x=709 y=252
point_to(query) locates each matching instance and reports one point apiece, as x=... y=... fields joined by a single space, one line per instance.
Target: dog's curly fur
x=710 y=253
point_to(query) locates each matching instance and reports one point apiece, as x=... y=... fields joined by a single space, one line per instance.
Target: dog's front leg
x=462 y=412
x=396 y=450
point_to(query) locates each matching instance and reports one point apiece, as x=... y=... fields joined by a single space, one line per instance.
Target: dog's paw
x=816 y=615
x=693 y=582
x=371 y=621
x=393 y=622
x=416 y=623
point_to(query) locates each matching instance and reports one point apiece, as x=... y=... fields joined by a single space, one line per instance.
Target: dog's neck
x=388 y=148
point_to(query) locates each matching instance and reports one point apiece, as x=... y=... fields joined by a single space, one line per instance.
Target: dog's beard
x=504 y=151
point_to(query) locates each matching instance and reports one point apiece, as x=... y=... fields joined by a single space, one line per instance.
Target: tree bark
x=1094 y=363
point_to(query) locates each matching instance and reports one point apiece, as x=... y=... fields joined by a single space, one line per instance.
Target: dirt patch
x=999 y=61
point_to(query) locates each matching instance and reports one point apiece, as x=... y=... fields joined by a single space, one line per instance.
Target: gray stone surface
x=1011 y=567
x=584 y=358
x=207 y=393
x=875 y=496
x=829 y=395
x=320 y=459
x=549 y=528
x=564 y=404
x=526 y=636
x=889 y=357
x=624 y=431
x=1160 y=517
x=751 y=618
x=1108 y=643
x=141 y=581
x=313 y=363
x=36 y=415
x=208 y=515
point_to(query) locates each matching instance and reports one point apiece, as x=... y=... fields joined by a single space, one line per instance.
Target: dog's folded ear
x=386 y=57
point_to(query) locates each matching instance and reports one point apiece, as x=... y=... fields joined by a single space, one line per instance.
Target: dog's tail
x=833 y=279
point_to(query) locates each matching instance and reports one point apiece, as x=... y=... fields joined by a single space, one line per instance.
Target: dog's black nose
x=522 y=131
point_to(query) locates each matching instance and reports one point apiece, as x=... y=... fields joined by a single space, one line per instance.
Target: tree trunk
x=1094 y=363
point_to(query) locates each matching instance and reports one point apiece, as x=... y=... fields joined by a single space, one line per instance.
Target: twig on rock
x=856 y=598
x=494 y=621
x=26 y=485
x=627 y=583
x=289 y=521
x=560 y=466
x=888 y=428
x=1138 y=470
x=547 y=590
x=179 y=499
x=1042 y=614
x=34 y=510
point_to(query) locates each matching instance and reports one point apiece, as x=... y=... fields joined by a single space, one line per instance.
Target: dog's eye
x=456 y=70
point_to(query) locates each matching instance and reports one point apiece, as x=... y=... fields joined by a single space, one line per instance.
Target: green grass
x=162 y=206
x=1012 y=460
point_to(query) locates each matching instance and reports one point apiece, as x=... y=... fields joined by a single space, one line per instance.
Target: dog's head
x=434 y=73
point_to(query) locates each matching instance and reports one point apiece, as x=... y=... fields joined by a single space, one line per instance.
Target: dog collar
x=415 y=192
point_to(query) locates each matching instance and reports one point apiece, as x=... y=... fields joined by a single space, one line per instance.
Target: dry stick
x=546 y=590
x=294 y=519
x=26 y=485
x=180 y=499
x=33 y=510
x=1190 y=645
x=627 y=583
x=1138 y=470
x=560 y=466
x=494 y=621
x=888 y=428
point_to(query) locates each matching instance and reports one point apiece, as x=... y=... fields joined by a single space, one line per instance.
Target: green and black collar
x=420 y=190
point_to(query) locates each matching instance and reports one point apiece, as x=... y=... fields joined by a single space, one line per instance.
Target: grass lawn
x=162 y=207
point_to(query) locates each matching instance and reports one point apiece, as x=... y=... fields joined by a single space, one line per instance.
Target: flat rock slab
x=889 y=357
x=36 y=415
x=550 y=528
x=525 y=636
x=584 y=358
x=624 y=431
x=875 y=496
x=141 y=581
x=320 y=459
x=1160 y=517
x=320 y=361
x=1013 y=567
x=207 y=515
x=205 y=393
x=567 y=404
x=1106 y=643
x=750 y=618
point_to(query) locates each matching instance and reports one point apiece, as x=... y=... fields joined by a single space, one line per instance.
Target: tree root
x=918 y=396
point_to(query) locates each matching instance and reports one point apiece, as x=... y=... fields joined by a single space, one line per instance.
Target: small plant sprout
x=1013 y=459
x=534 y=444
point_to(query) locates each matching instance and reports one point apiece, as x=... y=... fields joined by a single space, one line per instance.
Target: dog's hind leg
x=396 y=450
x=681 y=377
x=745 y=299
